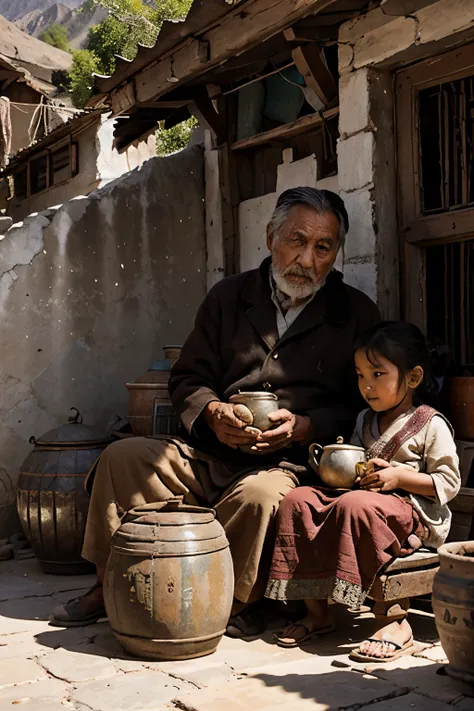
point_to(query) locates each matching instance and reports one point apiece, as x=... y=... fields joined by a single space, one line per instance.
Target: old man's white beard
x=296 y=292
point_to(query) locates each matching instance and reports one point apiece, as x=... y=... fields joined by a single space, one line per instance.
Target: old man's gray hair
x=322 y=201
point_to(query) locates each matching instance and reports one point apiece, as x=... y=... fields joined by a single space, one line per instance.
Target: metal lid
x=74 y=432
x=340 y=445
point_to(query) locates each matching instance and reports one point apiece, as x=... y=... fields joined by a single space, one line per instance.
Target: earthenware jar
x=453 y=606
x=150 y=411
x=169 y=581
x=336 y=464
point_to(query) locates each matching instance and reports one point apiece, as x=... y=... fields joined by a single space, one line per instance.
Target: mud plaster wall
x=88 y=295
x=370 y=48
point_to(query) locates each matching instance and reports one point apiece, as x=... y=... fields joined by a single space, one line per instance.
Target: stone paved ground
x=45 y=668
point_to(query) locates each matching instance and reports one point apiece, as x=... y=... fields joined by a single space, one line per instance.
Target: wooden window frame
x=73 y=162
x=418 y=231
x=454 y=224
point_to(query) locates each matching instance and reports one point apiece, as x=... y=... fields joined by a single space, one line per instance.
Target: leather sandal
x=309 y=632
x=76 y=614
x=245 y=624
x=397 y=651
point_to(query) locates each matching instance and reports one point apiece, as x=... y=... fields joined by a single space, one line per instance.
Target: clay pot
x=254 y=408
x=461 y=406
x=150 y=411
x=337 y=465
x=453 y=606
x=172 y=353
x=169 y=582
x=51 y=501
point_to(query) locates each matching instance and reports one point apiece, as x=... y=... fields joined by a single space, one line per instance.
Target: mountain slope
x=29 y=53
x=16 y=9
x=76 y=23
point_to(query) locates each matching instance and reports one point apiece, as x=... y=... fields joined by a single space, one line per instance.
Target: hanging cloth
x=5 y=130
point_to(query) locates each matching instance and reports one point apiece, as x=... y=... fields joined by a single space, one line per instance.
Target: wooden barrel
x=461 y=406
x=453 y=606
x=51 y=501
x=169 y=582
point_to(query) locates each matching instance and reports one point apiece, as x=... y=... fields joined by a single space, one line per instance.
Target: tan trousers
x=136 y=471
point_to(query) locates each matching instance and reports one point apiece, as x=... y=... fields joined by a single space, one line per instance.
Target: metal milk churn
x=169 y=582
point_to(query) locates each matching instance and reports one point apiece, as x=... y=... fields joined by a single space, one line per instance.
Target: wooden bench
x=413 y=575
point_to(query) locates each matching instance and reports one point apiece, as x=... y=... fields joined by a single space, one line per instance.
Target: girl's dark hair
x=404 y=345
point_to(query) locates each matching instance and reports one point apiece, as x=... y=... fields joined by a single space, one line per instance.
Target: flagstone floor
x=44 y=668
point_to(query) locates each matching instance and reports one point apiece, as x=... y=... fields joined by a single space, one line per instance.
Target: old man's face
x=303 y=251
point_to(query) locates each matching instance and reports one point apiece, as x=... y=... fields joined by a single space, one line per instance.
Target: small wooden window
x=19 y=184
x=43 y=172
x=38 y=174
x=60 y=164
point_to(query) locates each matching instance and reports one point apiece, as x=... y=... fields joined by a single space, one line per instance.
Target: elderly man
x=287 y=327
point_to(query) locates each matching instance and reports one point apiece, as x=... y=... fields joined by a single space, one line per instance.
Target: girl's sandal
x=398 y=651
x=309 y=633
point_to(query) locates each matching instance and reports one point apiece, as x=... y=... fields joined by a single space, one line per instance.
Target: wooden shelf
x=301 y=125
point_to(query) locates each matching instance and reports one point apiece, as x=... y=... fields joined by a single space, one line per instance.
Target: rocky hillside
x=16 y=9
x=76 y=23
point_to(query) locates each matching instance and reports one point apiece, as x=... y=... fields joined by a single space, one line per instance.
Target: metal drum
x=169 y=582
x=51 y=501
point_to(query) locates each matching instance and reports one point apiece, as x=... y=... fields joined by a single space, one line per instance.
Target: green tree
x=175 y=138
x=84 y=64
x=56 y=35
x=109 y=38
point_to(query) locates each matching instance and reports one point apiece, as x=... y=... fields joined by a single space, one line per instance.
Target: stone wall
x=370 y=48
x=89 y=293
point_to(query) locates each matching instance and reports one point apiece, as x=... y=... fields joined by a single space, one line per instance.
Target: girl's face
x=380 y=383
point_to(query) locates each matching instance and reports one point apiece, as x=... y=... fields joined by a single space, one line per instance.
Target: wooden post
x=230 y=197
x=204 y=110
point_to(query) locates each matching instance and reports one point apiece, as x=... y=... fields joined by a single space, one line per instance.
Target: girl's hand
x=380 y=476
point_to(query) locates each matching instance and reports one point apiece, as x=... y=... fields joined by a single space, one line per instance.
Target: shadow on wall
x=89 y=293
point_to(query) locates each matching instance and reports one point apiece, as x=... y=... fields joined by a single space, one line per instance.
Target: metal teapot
x=339 y=464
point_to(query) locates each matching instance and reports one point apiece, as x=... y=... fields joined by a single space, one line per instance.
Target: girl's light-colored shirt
x=431 y=451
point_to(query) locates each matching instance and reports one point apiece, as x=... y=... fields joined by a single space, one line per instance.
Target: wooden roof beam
x=252 y=23
x=309 y=30
x=398 y=8
x=309 y=60
x=203 y=109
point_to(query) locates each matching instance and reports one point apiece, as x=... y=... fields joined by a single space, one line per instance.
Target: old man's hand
x=292 y=428
x=228 y=428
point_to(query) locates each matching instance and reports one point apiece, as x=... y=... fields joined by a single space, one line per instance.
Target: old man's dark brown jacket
x=235 y=346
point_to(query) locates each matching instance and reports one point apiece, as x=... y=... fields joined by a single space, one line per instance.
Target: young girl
x=331 y=544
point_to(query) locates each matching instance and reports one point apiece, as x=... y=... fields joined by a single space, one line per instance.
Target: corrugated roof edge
x=201 y=15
